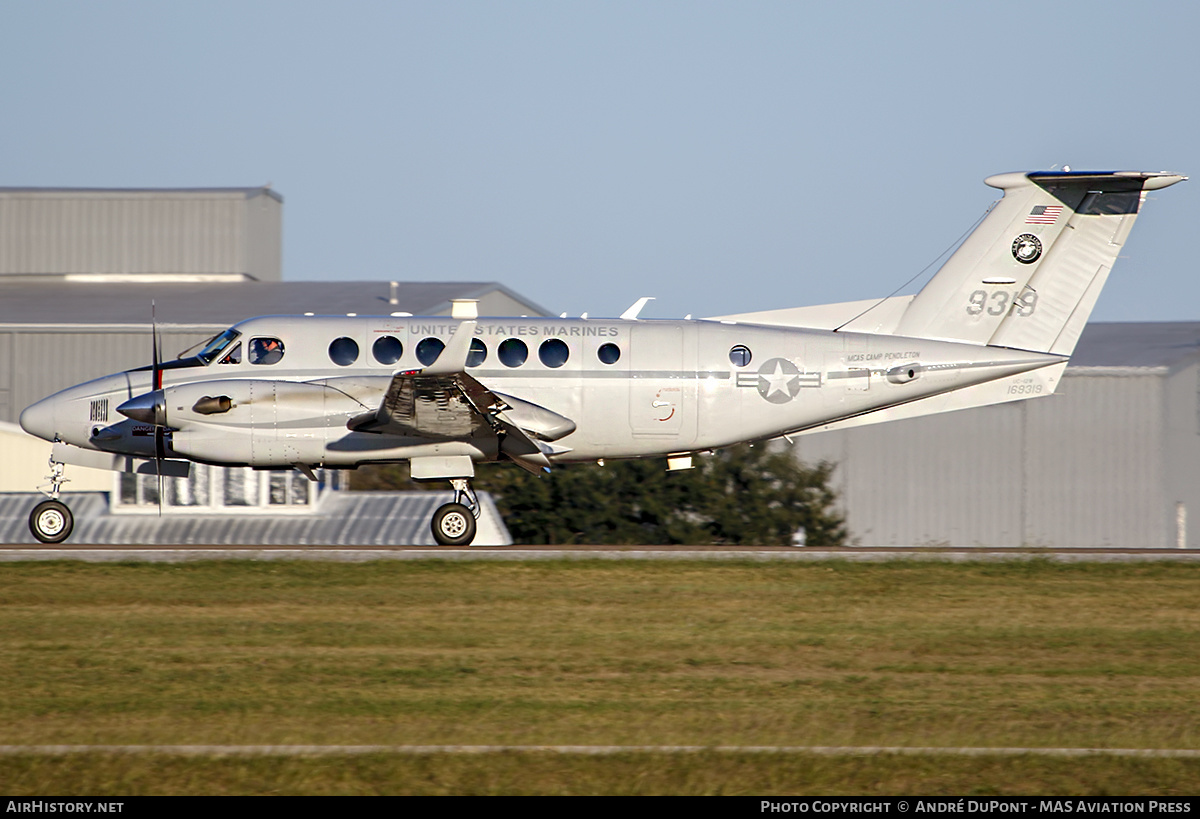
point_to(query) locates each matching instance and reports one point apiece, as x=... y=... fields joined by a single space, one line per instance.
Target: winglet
x=453 y=359
x=632 y=313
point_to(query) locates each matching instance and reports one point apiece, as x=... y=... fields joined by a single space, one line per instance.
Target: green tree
x=753 y=495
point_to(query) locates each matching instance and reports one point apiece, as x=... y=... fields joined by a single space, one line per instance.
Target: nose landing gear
x=454 y=524
x=51 y=520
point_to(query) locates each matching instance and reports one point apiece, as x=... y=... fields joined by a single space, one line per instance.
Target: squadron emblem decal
x=1027 y=248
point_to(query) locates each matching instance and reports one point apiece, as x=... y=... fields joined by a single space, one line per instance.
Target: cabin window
x=512 y=352
x=739 y=356
x=428 y=350
x=609 y=353
x=343 y=351
x=265 y=350
x=234 y=356
x=554 y=352
x=387 y=349
x=477 y=354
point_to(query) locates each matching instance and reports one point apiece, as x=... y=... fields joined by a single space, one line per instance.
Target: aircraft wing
x=444 y=407
x=443 y=402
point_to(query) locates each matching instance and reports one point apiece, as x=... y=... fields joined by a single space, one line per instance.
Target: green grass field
x=601 y=653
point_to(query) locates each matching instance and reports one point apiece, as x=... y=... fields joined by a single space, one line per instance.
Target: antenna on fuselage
x=634 y=309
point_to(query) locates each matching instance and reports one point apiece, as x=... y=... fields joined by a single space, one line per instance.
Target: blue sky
x=719 y=156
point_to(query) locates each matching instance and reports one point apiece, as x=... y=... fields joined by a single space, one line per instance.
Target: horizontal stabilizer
x=868 y=316
x=1033 y=384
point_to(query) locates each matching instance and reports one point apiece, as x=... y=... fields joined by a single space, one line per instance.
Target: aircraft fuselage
x=633 y=389
x=996 y=323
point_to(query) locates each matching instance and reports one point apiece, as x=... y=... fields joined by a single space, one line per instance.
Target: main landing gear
x=51 y=521
x=454 y=524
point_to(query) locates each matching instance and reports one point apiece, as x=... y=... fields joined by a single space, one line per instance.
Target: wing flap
x=440 y=401
x=429 y=406
x=456 y=406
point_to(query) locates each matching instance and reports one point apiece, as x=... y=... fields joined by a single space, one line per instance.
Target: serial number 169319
x=1026 y=389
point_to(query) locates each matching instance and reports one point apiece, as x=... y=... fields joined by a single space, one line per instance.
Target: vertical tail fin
x=1029 y=276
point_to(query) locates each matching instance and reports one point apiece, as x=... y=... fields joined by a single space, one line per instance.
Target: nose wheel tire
x=51 y=521
x=453 y=525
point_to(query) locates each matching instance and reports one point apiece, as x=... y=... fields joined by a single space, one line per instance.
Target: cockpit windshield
x=213 y=348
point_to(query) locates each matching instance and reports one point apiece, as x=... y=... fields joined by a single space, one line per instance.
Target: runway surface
x=576 y=750
x=156 y=554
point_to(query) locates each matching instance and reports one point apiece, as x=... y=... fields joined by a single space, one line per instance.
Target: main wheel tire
x=453 y=525
x=51 y=521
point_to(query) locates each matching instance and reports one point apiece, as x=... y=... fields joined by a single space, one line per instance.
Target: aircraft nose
x=38 y=419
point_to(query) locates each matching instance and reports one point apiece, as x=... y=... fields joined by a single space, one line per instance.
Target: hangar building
x=218 y=234
x=1112 y=459
x=84 y=272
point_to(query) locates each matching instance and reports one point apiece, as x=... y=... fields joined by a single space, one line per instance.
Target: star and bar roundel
x=778 y=380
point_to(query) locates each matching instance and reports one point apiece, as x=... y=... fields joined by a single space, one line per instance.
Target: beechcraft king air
x=998 y=322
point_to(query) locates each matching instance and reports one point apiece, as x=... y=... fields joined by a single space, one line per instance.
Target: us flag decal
x=1044 y=215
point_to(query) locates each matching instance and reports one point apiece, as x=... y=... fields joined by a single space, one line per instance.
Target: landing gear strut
x=454 y=524
x=51 y=521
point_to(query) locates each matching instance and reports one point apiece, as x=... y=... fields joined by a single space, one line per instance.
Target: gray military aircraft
x=997 y=323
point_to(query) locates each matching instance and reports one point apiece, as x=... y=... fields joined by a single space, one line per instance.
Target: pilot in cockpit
x=265 y=350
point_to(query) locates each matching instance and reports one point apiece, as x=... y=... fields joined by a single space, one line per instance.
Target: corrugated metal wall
x=1086 y=467
x=139 y=232
x=969 y=482
x=264 y=238
x=35 y=364
x=496 y=303
x=1095 y=462
x=6 y=378
x=369 y=519
x=1181 y=438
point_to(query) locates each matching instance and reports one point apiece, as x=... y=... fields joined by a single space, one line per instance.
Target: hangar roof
x=248 y=193
x=63 y=302
x=372 y=519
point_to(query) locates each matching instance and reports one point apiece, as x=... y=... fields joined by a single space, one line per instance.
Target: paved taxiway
x=578 y=750
x=123 y=554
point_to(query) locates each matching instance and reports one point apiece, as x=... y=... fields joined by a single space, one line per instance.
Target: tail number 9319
x=999 y=302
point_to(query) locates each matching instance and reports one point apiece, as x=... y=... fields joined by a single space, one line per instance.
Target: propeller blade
x=156 y=369
x=159 y=455
x=159 y=429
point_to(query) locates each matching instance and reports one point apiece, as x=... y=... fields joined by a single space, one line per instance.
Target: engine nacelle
x=256 y=422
